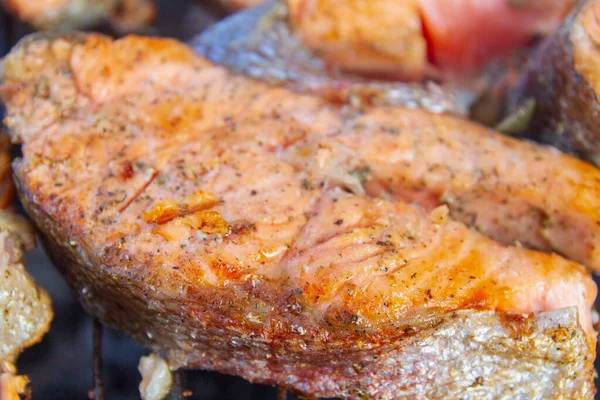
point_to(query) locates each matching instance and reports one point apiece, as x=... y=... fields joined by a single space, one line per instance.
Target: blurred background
x=60 y=367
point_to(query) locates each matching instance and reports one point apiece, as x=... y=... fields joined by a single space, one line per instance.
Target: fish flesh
x=408 y=38
x=179 y=201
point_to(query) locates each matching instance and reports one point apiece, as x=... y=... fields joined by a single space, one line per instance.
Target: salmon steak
x=445 y=56
x=26 y=308
x=260 y=43
x=334 y=251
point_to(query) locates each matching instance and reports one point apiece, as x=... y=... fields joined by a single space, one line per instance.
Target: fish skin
x=562 y=80
x=314 y=278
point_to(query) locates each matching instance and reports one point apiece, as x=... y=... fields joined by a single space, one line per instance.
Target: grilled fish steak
x=563 y=81
x=389 y=52
x=259 y=43
x=510 y=190
x=126 y=15
x=320 y=46
x=26 y=309
x=178 y=201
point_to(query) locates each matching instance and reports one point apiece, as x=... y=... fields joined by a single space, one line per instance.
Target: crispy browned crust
x=445 y=354
x=567 y=106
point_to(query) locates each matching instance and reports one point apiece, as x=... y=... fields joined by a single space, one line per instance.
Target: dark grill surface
x=60 y=367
